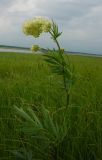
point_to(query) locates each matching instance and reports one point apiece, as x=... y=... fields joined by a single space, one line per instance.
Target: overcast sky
x=79 y=20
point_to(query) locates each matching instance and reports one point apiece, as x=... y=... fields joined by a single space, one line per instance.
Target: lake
x=15 y=50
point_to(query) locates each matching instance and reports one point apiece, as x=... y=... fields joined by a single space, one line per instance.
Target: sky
x=79 y=20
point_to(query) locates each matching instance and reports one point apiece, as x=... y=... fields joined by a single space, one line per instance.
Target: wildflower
x=35 y=48
x=46 y=27
x=62 y=50
x=36 y=26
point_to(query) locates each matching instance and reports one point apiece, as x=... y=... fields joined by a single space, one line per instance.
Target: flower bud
x=35 y=48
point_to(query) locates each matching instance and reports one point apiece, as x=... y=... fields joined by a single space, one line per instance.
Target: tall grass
x=26 y=81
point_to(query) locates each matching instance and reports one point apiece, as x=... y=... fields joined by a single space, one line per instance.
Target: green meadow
x=27 y=81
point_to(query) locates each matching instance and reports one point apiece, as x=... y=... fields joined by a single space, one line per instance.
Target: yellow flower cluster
x=36 y=26
x=35 y=48
x=62 y=49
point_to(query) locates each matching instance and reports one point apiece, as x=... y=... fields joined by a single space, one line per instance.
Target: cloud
x=80 y=21
x=23 y=6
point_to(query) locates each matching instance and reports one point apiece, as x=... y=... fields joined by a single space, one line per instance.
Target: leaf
x=18 y=155
x=23 y=114
x=37 y=121
x=54 y=31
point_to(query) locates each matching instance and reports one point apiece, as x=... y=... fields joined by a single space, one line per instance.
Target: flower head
x=35 y=48
x=36 y=26
x=62 y=50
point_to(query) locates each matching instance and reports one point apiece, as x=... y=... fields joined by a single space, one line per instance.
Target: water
x=15 y=50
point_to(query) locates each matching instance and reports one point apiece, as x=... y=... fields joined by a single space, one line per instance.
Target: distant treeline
x=14 y=47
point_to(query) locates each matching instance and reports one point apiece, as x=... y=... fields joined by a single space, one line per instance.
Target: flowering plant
x=48 y=129
x=35 y=27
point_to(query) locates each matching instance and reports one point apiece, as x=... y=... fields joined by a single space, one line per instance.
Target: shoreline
x=27 y=51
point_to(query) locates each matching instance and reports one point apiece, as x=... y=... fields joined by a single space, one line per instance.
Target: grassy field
x=26 y=81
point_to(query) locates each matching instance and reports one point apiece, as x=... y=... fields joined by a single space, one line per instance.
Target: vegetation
x=62 y=121
x=43 y=115
x=27 y=81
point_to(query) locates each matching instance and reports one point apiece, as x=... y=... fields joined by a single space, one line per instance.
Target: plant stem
x=64 y=77
x=56 y=41
x=63 y=67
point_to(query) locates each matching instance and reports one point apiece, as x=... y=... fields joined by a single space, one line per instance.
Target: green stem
x=64 y=77
x=63 y=65
x=56 y=41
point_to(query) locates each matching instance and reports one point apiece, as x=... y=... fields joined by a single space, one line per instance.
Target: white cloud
x=23 y=6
